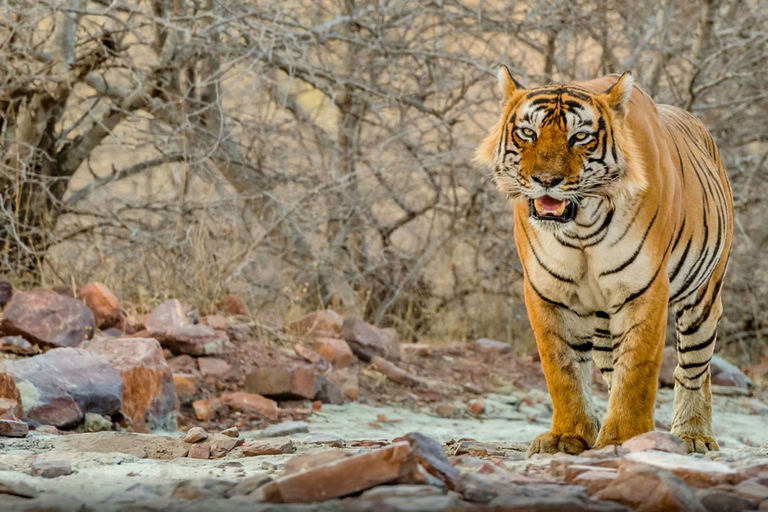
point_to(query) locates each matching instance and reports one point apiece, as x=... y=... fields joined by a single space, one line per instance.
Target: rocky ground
x=100 y=410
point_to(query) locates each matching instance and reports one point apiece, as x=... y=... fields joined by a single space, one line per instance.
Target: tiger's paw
x=700 y=443
x=551 y=442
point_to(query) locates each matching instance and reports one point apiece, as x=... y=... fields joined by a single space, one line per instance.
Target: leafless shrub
x=320 y=152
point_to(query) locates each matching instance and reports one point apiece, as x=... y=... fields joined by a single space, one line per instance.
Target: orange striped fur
x=622 y=210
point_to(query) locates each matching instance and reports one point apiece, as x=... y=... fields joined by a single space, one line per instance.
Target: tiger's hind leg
x=696 y=326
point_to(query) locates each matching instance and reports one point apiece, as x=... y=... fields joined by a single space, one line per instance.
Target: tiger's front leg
x=567 y=363
x=638 y=330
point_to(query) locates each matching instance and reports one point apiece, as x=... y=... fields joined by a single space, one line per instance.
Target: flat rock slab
x=57 y=388
x=693 y=471
x=48 y=319
x=13 y=428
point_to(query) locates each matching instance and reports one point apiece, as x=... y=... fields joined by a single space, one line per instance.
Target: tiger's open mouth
x=549 y=208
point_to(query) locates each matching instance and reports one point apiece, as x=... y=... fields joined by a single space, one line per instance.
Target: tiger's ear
x=507 y=84
x=618 y=95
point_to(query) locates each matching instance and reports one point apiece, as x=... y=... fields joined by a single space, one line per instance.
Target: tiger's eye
x=527 y=133
x=580 y=136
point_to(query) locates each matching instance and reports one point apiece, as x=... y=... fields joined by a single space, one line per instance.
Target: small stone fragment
x=325 y=439
x=186 y=387
x=446 y=410
x=199 y=451
x=335 y=351
x=103 y=303
x=234 y=305
x=300 y=381
x=195 y=435
x=231 y=432
x=492 y=346
x=213 y=366
x=13 y=428
x=251 y=403
x=221 y=445
x=16 y=345
x=311 y=356
x=477 y=406
x=660 y=441
x=51 y=468
x=217 y=322
x=47 y=429
x=595 y=480
x=272 y=446
x=431 y=455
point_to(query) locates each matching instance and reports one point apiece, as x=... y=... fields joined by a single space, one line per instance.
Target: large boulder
x=47 y=319
x=149 y=394
x=59 y=387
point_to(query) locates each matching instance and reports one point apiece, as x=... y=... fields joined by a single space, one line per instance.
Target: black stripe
x=635 y=254
x=699 y=346
x=541 y=263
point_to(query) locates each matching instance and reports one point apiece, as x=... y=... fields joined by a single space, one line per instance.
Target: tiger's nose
x=547 y=180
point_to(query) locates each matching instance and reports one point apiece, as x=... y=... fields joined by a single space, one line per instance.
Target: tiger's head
x=558 y=145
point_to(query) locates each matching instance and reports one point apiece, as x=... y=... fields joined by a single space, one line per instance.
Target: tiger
x=622 y=212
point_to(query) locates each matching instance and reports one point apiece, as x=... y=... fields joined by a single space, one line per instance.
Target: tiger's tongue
x=550 y=205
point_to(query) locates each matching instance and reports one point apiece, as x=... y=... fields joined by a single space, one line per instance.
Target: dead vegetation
x=306 y=153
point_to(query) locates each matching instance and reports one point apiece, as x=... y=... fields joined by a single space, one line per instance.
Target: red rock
x=234 y=305
x=217 y=322
x=13 y=428
x=6 y=292
x=477 y=406
x=16 y=345
x=231 y=432
x=725 y=373
x=196 y=340
x=311 y=356
x=47 y=319
x=251 y=403
x=195 y=435
x=103 y=303
x=595 y=480
x=9 y=409
x=416 y=349
x=186 y=387
x=341 y=477
x=59 y=387
x=213 y=366
x=204 y=410
x=317 y=405
x=322 y=320
x=272 y=446
x=199 y=451
x=573 y=471
x=492 y=346
x=694 y=472
x=651 y=490
x=170 y=313
x=335 y=351
x=222 y=445
x=363 y=338
x=660 y=441
x=149 y=393
x=283 y=382
x=668 y=364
